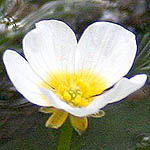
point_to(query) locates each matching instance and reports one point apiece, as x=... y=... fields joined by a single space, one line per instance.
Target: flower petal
x=50 y=47
x=76 y=111
x=121 y=90
x=127 y=86
x=57 y=119
x=80 y=124
x=108 y=49
x=23 y=78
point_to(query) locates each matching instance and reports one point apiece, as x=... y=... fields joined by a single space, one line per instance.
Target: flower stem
x=65 y=135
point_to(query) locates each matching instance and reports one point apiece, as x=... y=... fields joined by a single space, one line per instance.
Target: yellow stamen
x=77 y=89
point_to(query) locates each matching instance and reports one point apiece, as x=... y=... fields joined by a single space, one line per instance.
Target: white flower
x=74 y=77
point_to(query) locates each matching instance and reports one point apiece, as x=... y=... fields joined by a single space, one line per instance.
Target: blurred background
x=126 y=125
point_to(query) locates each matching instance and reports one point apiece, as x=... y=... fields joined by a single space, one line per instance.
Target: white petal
x=23 y=78
x=50 y=47
x=122 y=89
x=127 y=86
x=108 y=49
x=57 y=103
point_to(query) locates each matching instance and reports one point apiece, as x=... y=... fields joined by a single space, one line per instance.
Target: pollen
x=77 y=89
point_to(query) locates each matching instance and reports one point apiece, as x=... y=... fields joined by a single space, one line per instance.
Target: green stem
x=65 y=135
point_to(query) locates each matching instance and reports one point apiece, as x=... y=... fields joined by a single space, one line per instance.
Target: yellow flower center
x=77 y=89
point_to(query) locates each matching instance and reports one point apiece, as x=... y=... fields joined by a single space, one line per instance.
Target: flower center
x=76 y=89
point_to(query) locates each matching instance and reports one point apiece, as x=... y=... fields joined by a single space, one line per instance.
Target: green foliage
x=142 y=62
